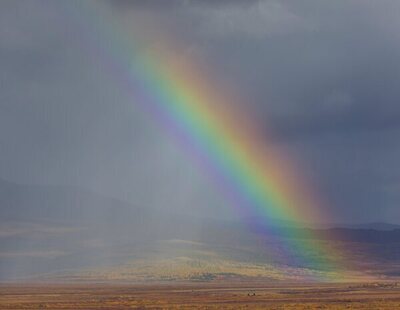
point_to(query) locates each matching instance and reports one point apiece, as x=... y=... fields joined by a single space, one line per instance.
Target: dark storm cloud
x=173 y=4
x=65 y=120
x=323 y=75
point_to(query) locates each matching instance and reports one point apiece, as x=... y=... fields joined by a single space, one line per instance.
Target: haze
x=321 y=78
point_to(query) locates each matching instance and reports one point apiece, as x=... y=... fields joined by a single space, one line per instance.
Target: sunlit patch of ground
x=181 y=260
x=184 y=268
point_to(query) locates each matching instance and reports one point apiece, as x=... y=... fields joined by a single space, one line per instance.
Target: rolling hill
x=66 y=233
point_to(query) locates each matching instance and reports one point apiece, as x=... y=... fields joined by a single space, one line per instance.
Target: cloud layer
x=322 y=75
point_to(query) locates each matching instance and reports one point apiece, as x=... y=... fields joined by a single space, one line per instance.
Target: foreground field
x=207 y=296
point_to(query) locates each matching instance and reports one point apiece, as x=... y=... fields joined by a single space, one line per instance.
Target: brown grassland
x=201 y=296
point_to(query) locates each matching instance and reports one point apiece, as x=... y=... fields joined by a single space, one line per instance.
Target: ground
x=201 y=296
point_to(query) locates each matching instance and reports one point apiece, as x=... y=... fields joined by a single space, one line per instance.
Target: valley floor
x=201 y=296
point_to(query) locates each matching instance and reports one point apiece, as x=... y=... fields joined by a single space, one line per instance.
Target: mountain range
x=61 y=232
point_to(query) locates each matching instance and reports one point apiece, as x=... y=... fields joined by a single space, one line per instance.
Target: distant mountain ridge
x=373 y=225
x=48 y=229
x=39 y=202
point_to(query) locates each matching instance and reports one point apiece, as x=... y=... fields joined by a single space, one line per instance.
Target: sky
x=322 y=76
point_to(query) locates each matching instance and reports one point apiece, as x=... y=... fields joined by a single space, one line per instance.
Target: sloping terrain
x=66 y=233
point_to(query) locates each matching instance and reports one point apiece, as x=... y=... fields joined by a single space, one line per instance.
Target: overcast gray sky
x=323 y=75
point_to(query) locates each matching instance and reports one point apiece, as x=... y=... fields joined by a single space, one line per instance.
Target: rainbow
x=260 y=181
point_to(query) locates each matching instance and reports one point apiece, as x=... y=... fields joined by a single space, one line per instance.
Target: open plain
x=201 y=296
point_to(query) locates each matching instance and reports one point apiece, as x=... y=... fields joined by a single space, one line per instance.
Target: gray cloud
x=322 y=75
x=261 y=19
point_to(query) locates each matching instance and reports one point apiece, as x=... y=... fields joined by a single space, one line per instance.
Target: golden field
x=201 y=296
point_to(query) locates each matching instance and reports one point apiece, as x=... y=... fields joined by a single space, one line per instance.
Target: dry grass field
x=201 y=296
